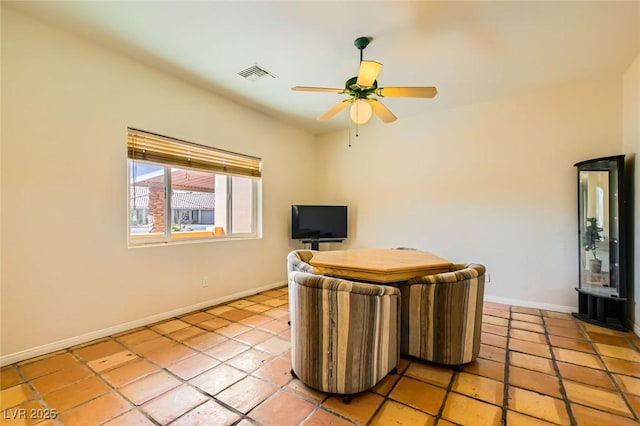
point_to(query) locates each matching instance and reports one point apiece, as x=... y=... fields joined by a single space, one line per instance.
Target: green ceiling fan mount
x=361 y=43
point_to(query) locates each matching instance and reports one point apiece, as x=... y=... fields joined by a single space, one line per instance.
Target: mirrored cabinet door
x=602 y=287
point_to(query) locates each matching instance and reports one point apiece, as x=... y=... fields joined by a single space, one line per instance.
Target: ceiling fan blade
x=382 y=111
x=407 y=92
x=316 y=89
x=368 y=73
x=334 y=110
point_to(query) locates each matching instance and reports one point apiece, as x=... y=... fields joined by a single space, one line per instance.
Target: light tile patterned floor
x=229 y=365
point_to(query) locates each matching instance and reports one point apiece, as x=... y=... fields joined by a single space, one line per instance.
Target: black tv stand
x=315 y=244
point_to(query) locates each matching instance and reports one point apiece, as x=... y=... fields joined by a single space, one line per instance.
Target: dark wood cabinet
x=603 y=238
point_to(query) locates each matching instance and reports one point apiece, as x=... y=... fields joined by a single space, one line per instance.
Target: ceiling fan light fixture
x=360 y=111
x=368 y=73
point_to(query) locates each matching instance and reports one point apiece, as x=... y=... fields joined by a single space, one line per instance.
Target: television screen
x=318 y=222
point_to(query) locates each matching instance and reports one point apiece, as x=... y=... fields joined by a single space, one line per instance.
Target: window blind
x=147 y=146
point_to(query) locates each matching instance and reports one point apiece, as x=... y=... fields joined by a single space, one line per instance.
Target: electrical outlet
x=205 y=282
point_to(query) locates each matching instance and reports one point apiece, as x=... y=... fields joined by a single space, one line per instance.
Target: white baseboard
x=98 y=334
x=77 y=340
x=529 y=304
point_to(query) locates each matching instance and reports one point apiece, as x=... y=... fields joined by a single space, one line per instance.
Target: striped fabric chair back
x=298 y=260
x=442 y=315
x=344 y=335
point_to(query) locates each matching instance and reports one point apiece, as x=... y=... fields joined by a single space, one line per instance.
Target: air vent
x=255 y=73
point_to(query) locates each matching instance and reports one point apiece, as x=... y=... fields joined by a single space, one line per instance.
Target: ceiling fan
x=361 y=89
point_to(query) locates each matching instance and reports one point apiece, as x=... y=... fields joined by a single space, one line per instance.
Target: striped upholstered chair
x=345 y=336
x=298 y=260
x=442 y=315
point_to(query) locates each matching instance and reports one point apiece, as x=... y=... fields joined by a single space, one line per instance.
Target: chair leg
x=394 y=371
x=293 y=374
x=458 y=367
x=346 y=399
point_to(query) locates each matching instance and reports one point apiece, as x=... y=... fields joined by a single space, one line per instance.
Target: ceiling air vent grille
x=255 y=73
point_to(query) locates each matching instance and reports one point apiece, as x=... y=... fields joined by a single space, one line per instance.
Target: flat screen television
x=318 y=223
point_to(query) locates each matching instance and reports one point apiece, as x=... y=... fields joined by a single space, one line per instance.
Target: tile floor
x=229 y=365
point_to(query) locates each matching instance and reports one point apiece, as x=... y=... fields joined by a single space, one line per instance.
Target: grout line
x=554 y=362
x=185 y=381
x=507 y=364
x=385 y=398
x=447 y=392
x=610 y=374
x=144 y=358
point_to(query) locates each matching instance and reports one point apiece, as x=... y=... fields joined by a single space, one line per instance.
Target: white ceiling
x=471 y=51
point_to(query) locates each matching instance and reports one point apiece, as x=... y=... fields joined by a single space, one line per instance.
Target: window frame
x=170 y=236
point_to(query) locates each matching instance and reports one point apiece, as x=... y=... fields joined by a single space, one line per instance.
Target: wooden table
x=378 y=265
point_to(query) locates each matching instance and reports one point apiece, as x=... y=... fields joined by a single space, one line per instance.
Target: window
x=179 y=190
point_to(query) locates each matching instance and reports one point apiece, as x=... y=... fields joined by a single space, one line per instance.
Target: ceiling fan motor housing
x=353 y=89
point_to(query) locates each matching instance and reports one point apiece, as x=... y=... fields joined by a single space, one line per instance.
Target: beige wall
x=492 y=183
x=66 y=268
x=631 y=147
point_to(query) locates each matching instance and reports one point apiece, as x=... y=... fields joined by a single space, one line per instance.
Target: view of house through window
x=168 y=202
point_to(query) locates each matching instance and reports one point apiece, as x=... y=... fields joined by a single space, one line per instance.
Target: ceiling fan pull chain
x=356 y=131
